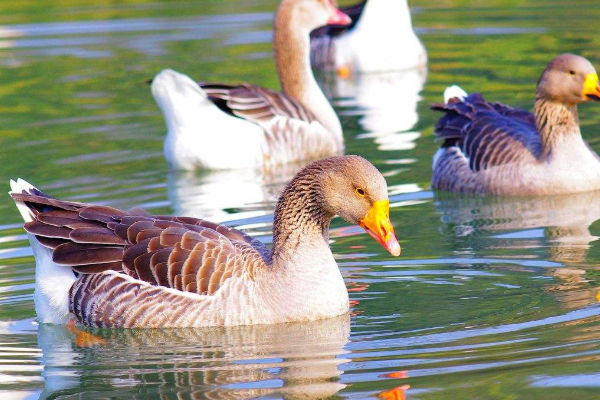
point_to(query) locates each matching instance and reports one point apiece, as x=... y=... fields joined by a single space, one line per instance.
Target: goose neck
x=292 y=57
x=555 y=122
x=301 y=223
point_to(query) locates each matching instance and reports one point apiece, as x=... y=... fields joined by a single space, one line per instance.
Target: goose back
x=292 y=132
x=132 y=266
x=488 y=134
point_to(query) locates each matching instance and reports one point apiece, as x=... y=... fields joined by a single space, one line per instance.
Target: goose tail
x=182 y=101
x=18 y=187
x=52 y=281
x=454 y=92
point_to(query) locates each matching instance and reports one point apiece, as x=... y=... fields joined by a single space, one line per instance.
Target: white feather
x=19 y=186
x=199 y=134
x=52 y=281
x=436 y=157
x=381 y=22
x=454 y=91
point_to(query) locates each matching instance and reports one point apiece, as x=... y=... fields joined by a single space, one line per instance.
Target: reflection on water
x=225 y=195
x=491 y=299
x=386 y=104
x=560 y=225
x=299 y=360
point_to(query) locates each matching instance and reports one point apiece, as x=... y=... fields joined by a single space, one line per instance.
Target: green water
x=491 y=298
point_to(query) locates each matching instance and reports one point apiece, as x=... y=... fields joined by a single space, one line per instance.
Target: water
x=491 y=298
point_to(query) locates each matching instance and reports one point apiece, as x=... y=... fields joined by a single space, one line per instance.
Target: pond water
x=491 y=298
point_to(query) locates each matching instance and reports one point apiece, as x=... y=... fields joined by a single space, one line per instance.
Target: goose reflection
x=386 y=102
x=560 y=224
x=229 y=194
x=298 y=360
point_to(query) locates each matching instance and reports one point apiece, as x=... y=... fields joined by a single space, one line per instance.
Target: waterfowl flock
x=103 y=267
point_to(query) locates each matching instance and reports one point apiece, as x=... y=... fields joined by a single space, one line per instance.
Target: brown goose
x=490 y=148
x=218 y=126
x=110 y=268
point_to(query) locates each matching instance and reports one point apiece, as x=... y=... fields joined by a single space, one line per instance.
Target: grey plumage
x=490 y=148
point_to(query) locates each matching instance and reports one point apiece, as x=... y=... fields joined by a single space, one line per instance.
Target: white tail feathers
x=454 y=91
x=52 y=281
x=19 y=186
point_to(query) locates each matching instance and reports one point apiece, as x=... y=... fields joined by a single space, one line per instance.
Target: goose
x=220 y=126
x=102 y=267
x=380 y=38
x=490 y=148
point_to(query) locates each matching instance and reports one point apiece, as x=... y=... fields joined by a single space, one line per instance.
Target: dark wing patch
x=354 y=12
x=489 y=134
x=186 y=254
x=256 y=104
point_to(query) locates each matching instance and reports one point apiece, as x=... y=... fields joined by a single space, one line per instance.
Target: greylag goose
x=109 y=268
x=380 y=38
x=490 y=148
x=218 y=126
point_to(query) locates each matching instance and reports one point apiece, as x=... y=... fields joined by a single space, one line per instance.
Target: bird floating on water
x=109 y=268
x=491 y=148
x=219 y=126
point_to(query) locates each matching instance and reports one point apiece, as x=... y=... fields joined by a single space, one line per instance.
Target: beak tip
x=395 y=249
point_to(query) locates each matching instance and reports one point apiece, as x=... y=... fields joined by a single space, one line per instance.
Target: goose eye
x=360 y=192
x=572 y=72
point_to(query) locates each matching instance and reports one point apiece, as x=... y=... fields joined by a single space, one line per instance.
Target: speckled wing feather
x=159 y=255
x=488 y=134
x=322 y=50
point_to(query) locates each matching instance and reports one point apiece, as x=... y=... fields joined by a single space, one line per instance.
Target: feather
x=82 y=254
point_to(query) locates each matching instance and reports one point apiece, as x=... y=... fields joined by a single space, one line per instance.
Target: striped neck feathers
x=554 y=121
x=300 y=215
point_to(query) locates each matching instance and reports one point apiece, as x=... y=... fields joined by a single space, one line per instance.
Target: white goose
x=380 y=38
x=216 y=126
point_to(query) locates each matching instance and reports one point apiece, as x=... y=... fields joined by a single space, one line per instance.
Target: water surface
x=491 y=298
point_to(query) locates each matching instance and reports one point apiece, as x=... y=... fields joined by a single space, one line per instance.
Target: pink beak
x=339 y=18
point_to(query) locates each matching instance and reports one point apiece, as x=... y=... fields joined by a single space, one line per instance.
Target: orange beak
x=591 y=89
x=377 y=224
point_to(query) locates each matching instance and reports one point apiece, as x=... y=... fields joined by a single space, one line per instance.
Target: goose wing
x=488 y=134
x=169 y=257
x=256 y=104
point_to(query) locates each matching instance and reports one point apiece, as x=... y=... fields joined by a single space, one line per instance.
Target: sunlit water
x=491 y=298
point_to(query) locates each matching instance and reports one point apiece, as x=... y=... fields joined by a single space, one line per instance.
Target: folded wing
x=488 y=134
x=185 y=254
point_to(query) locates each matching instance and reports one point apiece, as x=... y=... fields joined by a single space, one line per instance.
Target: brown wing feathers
x=255 y=103
x=186 y=254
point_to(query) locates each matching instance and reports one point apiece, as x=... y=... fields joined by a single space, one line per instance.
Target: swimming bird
x=220 y=126
x=380 y=38
x=491 y=148
x=109 y=268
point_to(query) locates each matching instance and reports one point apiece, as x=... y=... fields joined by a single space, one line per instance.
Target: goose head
x=307 y=15
x=356 y=191
x=347 y=186
x=569 y=79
